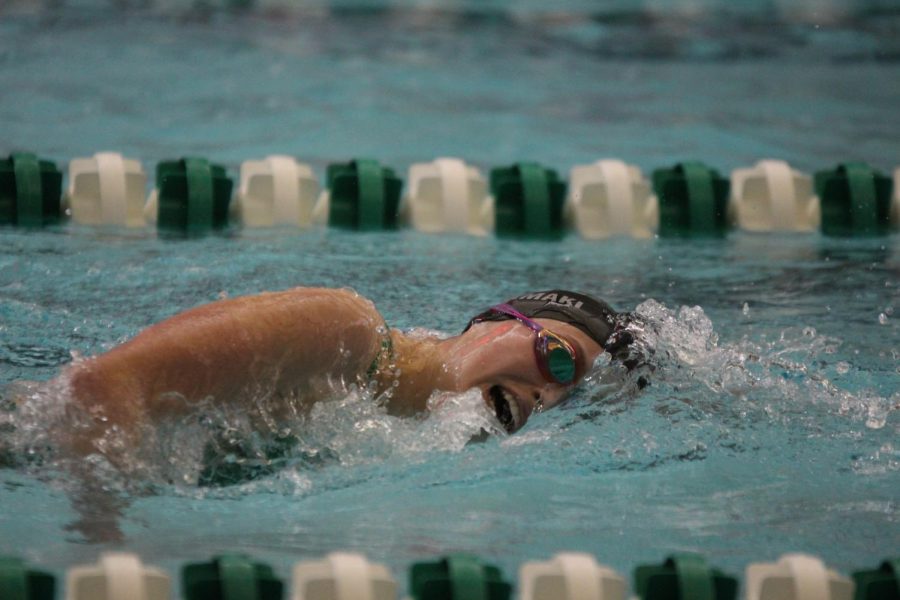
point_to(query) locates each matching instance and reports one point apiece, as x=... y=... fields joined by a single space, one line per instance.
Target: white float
x=570 y=576
x=610 y=198
x=275 y=191
x=106 y=189
x=771 y=196
x=117 y=576
x=343 y=576
x=447 y=196
x=796 y=577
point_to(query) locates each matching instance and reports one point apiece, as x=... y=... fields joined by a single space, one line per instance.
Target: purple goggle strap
x=507 y=309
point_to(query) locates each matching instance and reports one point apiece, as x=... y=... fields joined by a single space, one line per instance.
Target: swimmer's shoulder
x=320 y=300
x=323 y=310
x=337 y=299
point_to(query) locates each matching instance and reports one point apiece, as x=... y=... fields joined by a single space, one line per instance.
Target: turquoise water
x=771 y=422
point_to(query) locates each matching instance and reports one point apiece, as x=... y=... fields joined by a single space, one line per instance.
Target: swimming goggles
x=555 y=356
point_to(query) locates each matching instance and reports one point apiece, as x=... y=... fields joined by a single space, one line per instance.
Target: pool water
x=771 y=421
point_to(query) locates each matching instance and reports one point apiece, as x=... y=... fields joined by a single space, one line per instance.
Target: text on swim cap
x=551 y=298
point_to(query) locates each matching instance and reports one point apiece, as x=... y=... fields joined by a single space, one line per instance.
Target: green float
x=457 y=577
x=683 y=577
x=30 y=191
x=193 y=195
x=528 y=201
x=230 y=577
x=881 y=584
x=693 y=200
x=364 y=196
x=18 y=582
x=855 y=200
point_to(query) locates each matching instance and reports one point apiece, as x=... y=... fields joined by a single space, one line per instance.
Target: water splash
x=792 y=373
x=230 y=450
x=708 y=397
x=704 y=397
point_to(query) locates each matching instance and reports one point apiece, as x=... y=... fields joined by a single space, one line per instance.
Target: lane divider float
x=796 y=577
x=30 y=190
x=882 y=583
x=683 y=575
x=772 y=196
x=106 y=189
x=192 y=195
x=447 y=196
x=229 y=577
x=20 y=582
x=524 y=200
x=610 y=198
x=458 y=577
x=361 y=195
x=276 y=191
x=528 y=201
x=570 y=576
x=343 y=576
x=117 y=576
x=693 y=200
x=856 y=200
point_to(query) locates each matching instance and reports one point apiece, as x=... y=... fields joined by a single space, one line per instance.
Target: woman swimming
x=300 y=345
x=253 y=364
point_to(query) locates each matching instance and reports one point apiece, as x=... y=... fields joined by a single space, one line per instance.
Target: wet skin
x=299 y=341
x=495 y=357
x=498 y=358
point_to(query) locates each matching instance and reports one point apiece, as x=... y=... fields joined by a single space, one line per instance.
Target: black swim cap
x=594 y=317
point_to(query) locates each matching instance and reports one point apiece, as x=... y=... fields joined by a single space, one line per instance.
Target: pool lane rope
x=350 y=576
x=691 y=199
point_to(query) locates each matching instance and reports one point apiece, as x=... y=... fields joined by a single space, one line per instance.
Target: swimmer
x=524 y=356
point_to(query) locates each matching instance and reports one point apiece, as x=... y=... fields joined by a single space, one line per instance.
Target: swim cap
x=594 y=317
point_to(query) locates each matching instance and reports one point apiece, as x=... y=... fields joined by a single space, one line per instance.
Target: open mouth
x=506 y=407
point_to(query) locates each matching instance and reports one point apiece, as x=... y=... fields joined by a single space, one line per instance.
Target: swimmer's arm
x=224 y=351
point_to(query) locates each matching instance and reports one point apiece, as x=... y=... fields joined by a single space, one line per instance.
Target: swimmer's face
x=498 y=358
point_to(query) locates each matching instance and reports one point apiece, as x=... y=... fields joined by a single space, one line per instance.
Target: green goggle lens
x=561 y=364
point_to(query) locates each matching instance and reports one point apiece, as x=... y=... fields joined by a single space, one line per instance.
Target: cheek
x=494 y=336
x=501 y=351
